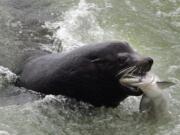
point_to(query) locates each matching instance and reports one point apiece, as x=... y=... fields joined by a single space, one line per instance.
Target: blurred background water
x=152 y=27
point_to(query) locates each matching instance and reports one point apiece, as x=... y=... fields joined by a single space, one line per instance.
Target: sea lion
x=90 y=73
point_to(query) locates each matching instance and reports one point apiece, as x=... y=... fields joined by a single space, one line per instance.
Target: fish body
x=153 y=99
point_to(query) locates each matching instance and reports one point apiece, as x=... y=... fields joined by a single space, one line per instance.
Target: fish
x=147 y=102
x=153 y=99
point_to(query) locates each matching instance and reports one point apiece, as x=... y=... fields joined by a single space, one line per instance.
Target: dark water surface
x=152 y=27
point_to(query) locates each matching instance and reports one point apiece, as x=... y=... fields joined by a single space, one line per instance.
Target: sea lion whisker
x=132 y=72
x=140 y=70
x=133 y=68
x=128 y=73
x=124 y=70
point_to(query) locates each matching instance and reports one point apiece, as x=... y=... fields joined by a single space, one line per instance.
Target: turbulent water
x=152 y=27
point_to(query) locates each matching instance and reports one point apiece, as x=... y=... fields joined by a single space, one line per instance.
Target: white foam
x=131 y=6
x=173 y=13
x=80 y=26
x=6 y=76
x=175 y=23
x=2 y=132
x=173 y=69
x=156 y=2
x=108 y=4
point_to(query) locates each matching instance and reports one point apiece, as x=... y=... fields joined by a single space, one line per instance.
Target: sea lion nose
x=146 y=63
x=149 y=60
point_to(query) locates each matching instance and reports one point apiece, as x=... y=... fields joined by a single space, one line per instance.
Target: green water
x=152 y=27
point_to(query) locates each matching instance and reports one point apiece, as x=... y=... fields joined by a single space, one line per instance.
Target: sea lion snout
x=145 y=64
x=149 y=61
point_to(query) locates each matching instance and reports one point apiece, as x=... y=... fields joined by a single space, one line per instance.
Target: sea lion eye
x=123 y=57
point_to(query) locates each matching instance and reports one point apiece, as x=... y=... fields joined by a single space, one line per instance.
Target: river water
x=152 y=27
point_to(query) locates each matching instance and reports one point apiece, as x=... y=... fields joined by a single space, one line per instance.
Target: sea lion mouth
x=134 y=71
x=133 y=75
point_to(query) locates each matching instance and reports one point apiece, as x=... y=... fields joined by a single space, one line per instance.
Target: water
x=152 y=27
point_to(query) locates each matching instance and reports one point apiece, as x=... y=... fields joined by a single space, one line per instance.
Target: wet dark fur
x=87 y=74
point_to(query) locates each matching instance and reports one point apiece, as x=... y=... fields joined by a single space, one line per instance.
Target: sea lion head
x=118 y=59
x=132 y=64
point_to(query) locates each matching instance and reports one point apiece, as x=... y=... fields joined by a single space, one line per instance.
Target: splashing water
x=79 y=26
x=6 y=77
x=151 y=27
